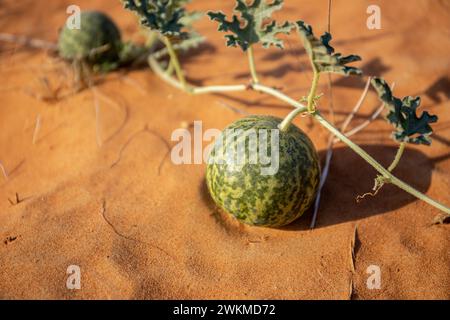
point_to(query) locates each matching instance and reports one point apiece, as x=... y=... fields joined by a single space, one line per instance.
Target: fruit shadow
x=351 y=176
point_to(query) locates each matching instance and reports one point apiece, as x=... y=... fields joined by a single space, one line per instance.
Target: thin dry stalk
x=5 y=173
x=357 y=106
x=330 y=144
x=28 y=42
x=133 y=83
x=108 y=100
x=234 y=109
x=334 y=140
x=97 y=117
x=36 y=129
x=366 y=123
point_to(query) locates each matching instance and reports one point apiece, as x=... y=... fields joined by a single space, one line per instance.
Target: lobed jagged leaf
x=164 y=16
x=322 y=53
x=403 y=115
x=252 y=26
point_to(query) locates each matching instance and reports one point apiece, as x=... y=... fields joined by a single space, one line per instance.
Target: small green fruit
x=265 y=200
x=97 y=31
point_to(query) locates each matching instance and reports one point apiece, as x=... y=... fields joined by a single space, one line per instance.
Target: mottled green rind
x=97 y=30
x=268 y=201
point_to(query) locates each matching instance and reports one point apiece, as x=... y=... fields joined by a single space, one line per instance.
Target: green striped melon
x=265 y=200
x=97 y=30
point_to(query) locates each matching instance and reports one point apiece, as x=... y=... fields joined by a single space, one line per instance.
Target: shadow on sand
x=351 y=176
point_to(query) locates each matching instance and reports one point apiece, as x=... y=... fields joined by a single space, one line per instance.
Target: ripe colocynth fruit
x=265 y=200
x=97 y=40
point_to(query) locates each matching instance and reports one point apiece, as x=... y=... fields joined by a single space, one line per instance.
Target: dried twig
x=120 y=106
x=97 y=117
x=357 y=106
x=334 y=140
x=107 y=99
x=366 y=123
x=36 y=129
x=133 y=83
x=234 y=109
x=28 y=42
x=95 y=93
x=323 y=179
x=5 y=173
x=329 y=156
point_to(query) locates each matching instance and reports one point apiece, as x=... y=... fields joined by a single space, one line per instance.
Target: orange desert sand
x=138 y=232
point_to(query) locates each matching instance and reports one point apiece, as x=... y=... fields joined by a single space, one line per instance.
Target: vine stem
x=313 y=91
x=175 y=62
x=398 y=156
x=290 y=117
x=310 y=106
x=300 y=108
x=156 y=67
x=384 y=172
x=251 y=61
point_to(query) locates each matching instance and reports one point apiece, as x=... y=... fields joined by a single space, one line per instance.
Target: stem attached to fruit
x=251 y=61
x=290 y=117
x=300 y=108
x=175 y=62
x=311 y=106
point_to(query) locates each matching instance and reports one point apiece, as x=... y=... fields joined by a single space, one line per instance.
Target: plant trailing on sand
x=172 y=24
x=266 y=204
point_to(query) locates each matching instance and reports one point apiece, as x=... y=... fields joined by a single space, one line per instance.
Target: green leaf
x=322 y=53
x=252 y=26
x=164 y=16
x=402 y=115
